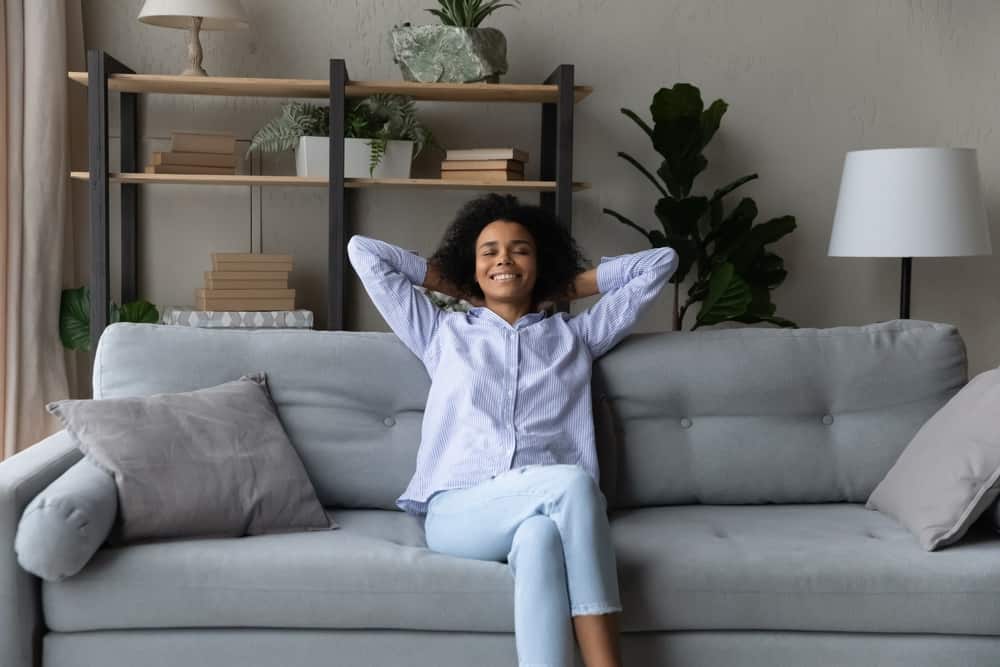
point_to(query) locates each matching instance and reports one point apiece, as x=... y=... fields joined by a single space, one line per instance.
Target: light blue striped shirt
x=504 y=395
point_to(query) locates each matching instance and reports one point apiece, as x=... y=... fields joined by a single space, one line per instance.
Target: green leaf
x=687 y=252
x=729 y=235
x=728 y=297
x=638 y=121
x=683 y=101
x=635 y=163
x=711 y=119
x=752 y=244
x=625 y=221
x=680 y=217
x=74 y=318
x=139 y=311
x=767 y=270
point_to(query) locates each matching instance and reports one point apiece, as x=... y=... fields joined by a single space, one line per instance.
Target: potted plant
x=382 y=137
x=74 y=316
x=734 y=272
x=457 y=50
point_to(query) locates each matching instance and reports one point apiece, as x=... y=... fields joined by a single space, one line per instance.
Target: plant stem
x=677 y=315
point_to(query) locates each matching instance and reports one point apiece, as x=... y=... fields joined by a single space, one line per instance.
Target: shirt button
x=389 y=421
x=827 y=419
x=685 y=422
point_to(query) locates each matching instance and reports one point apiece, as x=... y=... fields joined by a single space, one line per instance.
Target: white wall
x=806 y=81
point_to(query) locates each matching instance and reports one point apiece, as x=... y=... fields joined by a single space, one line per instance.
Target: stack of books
x=196 y=153
x=247 y=282
x=492 y=165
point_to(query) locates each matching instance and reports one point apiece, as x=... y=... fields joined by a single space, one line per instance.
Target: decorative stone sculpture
x=441 y=53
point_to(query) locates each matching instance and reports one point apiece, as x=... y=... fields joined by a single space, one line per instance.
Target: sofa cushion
x=949 y=474
x=209 y=462
x=796 y=567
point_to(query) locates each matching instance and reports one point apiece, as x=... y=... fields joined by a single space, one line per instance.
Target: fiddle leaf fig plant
x=74 y=316
x=734 y=272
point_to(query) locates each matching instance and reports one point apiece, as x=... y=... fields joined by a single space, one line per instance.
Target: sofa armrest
x=22 y=477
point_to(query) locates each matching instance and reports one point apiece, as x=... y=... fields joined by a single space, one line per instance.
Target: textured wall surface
x=806 y=81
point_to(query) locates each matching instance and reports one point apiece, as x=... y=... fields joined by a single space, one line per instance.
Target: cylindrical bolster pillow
x=65 y=524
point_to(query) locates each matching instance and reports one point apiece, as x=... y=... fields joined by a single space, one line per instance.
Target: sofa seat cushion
x=778 y=567
x=374 y=572
x=829 y=567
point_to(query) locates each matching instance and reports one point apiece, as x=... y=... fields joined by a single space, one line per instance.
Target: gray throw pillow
x=948 y=475
x=211 y=462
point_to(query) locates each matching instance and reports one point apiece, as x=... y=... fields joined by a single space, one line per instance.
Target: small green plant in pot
x=382 y=136
x=734 y=272
x=457 y=50
x=74 y=316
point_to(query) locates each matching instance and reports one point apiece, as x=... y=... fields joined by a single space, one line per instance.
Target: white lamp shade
x=215 y=14
x=910 y=202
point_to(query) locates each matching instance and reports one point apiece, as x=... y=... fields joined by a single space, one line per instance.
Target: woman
x=507 y=465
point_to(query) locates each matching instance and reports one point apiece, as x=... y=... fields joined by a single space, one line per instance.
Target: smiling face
x=506 y=263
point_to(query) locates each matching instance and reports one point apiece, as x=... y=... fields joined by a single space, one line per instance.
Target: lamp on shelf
x=910 y=202
x=195 y=15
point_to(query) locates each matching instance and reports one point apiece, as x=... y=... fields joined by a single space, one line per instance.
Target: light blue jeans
x=550 y=523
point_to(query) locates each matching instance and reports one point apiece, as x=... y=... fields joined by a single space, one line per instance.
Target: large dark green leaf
x=752 y=244
x=74 y=318
x=679 y=173
x=728 y=297
x=730 y=234
x=767 y=270
x=687 y=253
x=710 y=120
x=679 y=138
x=716 y=201
x=681 y=101
x=139 y=311
x=680 y=217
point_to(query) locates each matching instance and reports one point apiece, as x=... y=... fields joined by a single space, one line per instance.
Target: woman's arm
x=389 y=273
x=628 y=283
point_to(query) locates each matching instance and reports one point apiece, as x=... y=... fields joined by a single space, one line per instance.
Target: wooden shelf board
x=320 y=88
x=215 y=179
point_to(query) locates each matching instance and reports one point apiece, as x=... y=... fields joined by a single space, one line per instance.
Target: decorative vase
x=312 y=158
x=449 y=54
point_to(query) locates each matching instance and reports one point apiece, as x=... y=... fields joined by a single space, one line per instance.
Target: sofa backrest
x=755 y=415
x=724 y=416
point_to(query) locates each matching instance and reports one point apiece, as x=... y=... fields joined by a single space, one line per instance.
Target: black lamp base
x=904 y=289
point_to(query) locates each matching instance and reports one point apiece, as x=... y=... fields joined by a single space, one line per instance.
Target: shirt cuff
x=612 y=273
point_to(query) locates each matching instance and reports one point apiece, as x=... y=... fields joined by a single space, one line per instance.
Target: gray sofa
x=735 y=462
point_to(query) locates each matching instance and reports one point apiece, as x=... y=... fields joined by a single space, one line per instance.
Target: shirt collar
x=525 y=320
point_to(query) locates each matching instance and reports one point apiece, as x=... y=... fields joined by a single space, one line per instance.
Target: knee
x=580 y=489
x=537 y=534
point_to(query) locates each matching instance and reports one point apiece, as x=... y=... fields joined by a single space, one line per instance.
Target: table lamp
x=910 y=202
x=196 y=15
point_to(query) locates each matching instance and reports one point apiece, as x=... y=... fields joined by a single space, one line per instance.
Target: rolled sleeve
x=628 y=285
x=389 y=274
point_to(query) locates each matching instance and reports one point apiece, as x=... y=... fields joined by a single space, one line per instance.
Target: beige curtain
x=42 y=39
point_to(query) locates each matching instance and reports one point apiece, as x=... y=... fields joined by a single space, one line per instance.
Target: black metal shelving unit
x=555 y=155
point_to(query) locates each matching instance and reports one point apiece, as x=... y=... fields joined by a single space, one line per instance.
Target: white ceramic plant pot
x=312 y=158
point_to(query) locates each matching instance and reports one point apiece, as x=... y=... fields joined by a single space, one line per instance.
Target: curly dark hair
x=559 y=259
